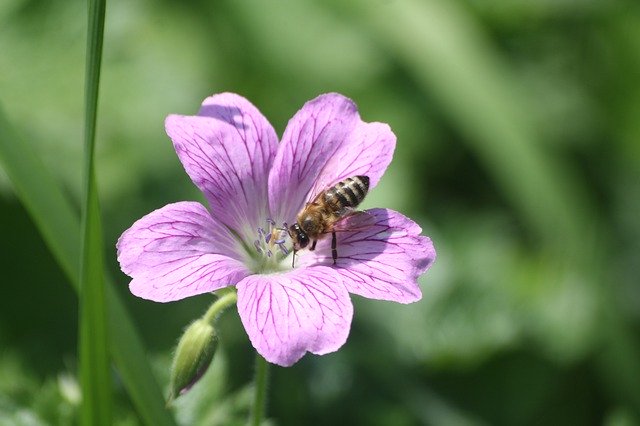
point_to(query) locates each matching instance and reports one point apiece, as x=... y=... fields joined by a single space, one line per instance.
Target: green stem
x=225 y=299
x=260 y=396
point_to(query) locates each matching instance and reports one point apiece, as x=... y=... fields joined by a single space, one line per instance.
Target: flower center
x=270 y=247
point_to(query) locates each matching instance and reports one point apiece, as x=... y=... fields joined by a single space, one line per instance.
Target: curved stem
x=260 y=389
x=225 y=299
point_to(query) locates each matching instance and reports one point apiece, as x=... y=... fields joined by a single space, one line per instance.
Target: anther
x=271 y=237
x=283 y=248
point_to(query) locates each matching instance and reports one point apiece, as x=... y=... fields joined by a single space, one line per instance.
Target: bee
x=320 y=216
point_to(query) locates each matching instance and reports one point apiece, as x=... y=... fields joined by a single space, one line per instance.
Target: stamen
x=271 y=242
x=283 y=248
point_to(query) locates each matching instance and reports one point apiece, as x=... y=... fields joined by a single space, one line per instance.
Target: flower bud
x=193 y=355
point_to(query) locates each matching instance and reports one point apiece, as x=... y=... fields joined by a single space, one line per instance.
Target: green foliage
x=518 y=153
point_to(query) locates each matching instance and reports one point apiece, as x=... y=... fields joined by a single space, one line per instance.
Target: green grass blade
x=93 y=355
x=50 y=210
x=96 y=408
x=59 y=225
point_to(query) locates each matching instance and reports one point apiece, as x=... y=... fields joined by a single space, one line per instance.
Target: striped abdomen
x=347 y=194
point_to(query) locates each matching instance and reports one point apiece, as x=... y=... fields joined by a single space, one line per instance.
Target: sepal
x=193 y=355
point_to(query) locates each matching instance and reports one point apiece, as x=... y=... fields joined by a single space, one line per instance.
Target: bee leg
x=293 y=259
x=313 y=245
x=334 y=251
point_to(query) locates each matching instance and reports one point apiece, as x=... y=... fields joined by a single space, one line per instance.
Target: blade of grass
x=57 y=221
x=96 y=407
x=93 y=353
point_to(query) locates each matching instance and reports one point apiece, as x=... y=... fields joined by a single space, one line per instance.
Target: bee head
x=299 y=237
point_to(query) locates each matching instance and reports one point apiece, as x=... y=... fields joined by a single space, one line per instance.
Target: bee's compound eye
x=303 y=240
x=300 y=238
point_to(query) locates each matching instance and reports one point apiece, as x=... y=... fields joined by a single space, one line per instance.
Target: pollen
x=271 y=241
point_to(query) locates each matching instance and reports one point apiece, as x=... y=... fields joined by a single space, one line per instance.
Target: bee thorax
x=312 y=224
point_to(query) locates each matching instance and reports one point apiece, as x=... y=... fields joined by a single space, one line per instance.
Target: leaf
x=96 y=407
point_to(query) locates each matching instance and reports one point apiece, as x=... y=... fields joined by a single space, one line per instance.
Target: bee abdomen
x=348 y=193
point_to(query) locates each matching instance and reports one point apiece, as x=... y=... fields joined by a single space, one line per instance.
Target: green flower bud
x=192 y=358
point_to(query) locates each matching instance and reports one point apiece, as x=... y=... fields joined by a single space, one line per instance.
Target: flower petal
x=288 y=314
x=381 y=258
x=228 y=150
x=324 y=143
x=179 y=251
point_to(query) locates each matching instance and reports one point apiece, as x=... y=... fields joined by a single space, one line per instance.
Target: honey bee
x=320 y=216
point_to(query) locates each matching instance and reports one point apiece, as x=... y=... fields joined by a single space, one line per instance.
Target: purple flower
x=254 y=186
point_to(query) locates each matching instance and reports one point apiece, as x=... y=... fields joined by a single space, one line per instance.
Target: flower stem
x=260 y=388
x=225 y=299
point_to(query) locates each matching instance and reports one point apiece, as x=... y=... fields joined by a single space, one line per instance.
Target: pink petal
x=179 y=251
x=227 y=150
x=288 y=314
x=380 y=258
x=324 y=143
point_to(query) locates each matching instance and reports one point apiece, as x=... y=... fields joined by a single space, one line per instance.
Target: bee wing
x=319 y=187
x=354 y=220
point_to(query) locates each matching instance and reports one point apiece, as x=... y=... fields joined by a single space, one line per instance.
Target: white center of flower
x=270 y=246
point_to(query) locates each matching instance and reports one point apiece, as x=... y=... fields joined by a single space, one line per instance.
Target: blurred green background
x=518 y=152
